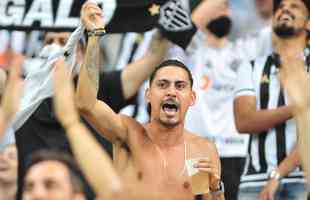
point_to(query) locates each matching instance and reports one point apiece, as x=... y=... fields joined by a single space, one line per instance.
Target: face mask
x=220 y=26
x=49 y=50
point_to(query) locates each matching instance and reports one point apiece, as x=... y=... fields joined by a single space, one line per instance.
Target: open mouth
x=170 y=107
x=285 y=18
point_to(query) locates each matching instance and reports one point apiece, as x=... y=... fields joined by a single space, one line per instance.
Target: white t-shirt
x=215 y=76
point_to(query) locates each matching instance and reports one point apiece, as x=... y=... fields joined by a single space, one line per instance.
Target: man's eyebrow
x=163 y=80
x=181 y=81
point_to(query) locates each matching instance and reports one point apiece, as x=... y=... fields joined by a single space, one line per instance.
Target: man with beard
x=155 y=154
x=262 y=110
x=215 y=61
x=152 y=155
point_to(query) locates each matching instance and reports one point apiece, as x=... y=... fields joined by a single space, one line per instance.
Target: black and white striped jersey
x=266 y=150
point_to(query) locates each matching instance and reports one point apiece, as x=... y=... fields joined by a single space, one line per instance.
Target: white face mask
x=50 y=50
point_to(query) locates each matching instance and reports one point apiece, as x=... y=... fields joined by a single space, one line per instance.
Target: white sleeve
x=8 y=138
x=255 y=45
x=244 y=85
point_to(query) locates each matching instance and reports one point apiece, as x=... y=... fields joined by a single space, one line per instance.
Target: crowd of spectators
x=58 y=139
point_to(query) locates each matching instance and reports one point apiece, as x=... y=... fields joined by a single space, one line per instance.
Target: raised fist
x=92 y=16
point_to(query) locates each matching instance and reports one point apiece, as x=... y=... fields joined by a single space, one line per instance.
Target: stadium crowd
x=214 y=108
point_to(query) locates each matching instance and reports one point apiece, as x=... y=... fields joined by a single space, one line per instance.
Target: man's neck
x=8 y=191
x=291 y=46
x=166 y=137
x=215 y=42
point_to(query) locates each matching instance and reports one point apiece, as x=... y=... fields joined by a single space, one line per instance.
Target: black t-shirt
x=42 y=130
x=111 y=90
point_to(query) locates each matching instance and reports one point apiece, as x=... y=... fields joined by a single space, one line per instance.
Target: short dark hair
x=62 y=157
x=168 y=63
x=174 y=63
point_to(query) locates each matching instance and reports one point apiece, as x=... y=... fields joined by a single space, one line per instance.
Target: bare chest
x=161 y=172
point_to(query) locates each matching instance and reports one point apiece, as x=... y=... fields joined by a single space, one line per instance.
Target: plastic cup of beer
x=199 y=180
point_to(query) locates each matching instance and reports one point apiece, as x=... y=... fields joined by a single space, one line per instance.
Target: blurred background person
x=8 y=173
x=262 y=110
x=52 y=175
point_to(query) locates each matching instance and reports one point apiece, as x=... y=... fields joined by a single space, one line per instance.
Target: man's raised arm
x=90 y=156
x=297 y=84
x=100 y=115
x=10 y=98
x=204 y=12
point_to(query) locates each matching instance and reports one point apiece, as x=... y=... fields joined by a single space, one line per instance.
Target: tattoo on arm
x=92 y=61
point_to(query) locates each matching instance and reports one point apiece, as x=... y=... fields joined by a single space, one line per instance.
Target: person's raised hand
x=12 y=94
x=92 y=16
x=64 y=103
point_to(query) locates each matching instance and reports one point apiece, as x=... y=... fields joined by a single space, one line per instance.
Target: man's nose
x=171 y=91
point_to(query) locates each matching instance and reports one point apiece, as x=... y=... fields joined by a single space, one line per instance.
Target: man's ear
x=147 y=95
x=193 y=98
x=308 y=26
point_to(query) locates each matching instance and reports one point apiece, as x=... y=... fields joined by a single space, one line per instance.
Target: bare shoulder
x=199 y=141
x=203 y=147
x=201 y=144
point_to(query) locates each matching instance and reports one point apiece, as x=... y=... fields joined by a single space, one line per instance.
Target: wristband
x=274 y=174
x=96 y=32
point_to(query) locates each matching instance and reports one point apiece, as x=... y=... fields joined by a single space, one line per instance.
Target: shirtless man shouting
x=152 y=155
